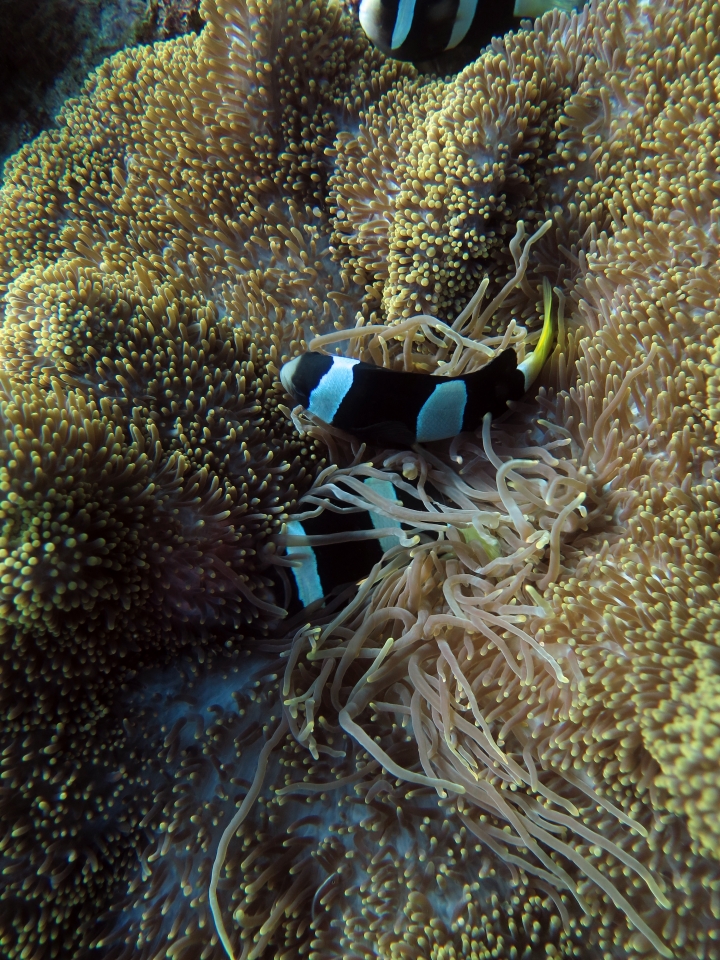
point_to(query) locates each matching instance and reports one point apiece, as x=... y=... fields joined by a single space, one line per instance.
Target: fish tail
x=533 y=364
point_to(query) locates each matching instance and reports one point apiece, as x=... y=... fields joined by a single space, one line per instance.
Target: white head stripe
x=379 y=520
x=306 y=574
x=287 y=372
x=327 y=396
x=441 y=415
x=403 y=22
x=369 y=14
x=463 y=19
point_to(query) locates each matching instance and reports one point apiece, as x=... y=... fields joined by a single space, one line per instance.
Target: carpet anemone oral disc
x=501 y=738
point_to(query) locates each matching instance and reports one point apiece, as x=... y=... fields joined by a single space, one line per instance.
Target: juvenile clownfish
x=420 y=30
x=397 y=408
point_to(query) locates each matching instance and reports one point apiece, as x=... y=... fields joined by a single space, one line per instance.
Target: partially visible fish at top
x=420 y=30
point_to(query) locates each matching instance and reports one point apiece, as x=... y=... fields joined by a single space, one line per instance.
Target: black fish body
x=321 y=569
x=393 y=407
x=420 y=30
x=424 y=29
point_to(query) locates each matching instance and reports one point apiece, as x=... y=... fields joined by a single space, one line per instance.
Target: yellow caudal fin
x=533 y=364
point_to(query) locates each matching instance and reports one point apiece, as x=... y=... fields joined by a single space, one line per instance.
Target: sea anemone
x=503 y=741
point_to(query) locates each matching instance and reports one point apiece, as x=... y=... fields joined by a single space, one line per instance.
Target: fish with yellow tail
x=394 y=407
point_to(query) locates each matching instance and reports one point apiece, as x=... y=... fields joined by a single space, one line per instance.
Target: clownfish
x=320 y=570
x=420 y=30
x=393 y=407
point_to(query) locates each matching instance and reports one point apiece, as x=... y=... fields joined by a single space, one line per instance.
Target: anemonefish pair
x=391 y=407
x=420 y=30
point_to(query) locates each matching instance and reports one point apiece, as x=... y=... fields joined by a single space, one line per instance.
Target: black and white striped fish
x=420 y=30
x=387 y=407
x=397 y=408
x=320 y=569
